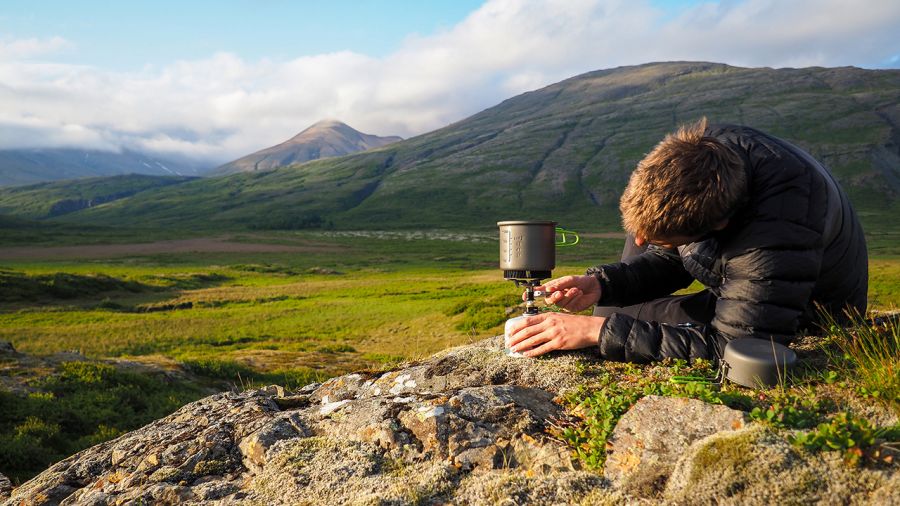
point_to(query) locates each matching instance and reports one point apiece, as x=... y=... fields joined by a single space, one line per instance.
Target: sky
x=215 y=80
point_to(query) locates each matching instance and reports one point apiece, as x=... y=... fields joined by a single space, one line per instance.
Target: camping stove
x=527 y=255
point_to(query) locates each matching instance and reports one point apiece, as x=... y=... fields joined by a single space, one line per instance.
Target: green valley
x=564 y=151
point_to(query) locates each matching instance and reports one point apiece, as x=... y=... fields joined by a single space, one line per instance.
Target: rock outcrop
x=5 y=487
x=466 y=426
x=651 y=437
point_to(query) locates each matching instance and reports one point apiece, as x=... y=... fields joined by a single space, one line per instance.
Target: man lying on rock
x=759 y=222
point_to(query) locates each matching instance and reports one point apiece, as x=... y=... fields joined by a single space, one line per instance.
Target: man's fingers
x=525 y=334
x=528 y=321
x=531 y=343
x=568 y=298
x=571 y=303
x=534 y=326
x=540 y=350
x=559 y=284
x=554 y=297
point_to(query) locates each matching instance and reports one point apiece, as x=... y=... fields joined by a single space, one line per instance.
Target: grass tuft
x=868 y=353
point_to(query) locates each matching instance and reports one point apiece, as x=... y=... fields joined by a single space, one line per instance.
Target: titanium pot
x=757 y=363
x=527 y=248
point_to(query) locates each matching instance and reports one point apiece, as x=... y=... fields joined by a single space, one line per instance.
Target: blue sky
x=128 y=34
x=215 y=80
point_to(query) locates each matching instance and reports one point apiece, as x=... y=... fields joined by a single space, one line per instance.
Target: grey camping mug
x=531 y=245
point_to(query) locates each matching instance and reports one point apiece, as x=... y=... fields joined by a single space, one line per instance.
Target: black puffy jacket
x=797 y=243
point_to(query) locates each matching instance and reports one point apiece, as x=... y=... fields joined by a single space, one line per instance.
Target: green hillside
x=562 y=152
x=44 y=200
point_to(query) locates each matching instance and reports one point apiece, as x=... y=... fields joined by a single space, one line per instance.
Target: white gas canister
x=506 y=332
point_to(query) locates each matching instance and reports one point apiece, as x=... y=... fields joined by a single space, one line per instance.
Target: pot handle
x=568 y=237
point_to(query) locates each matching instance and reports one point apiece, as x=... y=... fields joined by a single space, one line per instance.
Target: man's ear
x=721 y=225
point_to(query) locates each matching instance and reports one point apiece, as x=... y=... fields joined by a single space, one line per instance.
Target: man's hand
x=537 y=334
x=572 y=293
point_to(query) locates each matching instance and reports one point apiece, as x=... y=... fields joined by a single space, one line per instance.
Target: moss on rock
x=757 y=465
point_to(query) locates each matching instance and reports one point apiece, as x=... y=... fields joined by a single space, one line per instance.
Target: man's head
x=688 y=186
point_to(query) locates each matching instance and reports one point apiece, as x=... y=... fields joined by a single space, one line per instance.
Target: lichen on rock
x=466 y=426
x=406 y=436
x=5 y=485
x=654 y=433
x=757 y=466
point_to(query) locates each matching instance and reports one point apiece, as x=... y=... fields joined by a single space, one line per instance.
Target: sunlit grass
x=868 y=352
x=379 y=299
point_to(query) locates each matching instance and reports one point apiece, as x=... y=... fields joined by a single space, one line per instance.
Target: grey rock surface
x=466 y=426
x=5 y=487
x=757 y=466
x=654 y=433
x=451 y=428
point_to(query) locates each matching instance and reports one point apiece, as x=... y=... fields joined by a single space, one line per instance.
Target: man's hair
x=688 y=184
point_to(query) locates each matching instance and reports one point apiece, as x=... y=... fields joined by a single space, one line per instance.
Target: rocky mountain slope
x=564 y=151
x=466 y=426
x=325 y=139
x=28 y=166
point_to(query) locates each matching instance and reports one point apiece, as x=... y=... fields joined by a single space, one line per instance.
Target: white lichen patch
x=331 y=407
x=401 y=383
x=426 y=412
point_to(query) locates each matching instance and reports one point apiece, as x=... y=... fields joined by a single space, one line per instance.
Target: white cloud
x=31 y=47
x=223 y=106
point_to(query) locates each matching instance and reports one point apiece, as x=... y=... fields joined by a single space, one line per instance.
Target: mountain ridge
x=29 y=166
x=564 y=151
x=324 y=139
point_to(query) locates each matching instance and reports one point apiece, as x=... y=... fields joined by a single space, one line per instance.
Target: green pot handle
x=566 y=236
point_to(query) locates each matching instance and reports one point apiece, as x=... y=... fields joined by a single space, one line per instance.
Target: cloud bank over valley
x=225 y=106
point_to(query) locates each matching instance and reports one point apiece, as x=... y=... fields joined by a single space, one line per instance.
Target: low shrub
x=79 y=405
x=243 y=376
x=845 y=433
x=483 y=314
x=786 y=409
x=19 y=287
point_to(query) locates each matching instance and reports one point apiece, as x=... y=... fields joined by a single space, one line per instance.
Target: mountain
x=27 y=166
x=563 y=152
x=55 y=198
x=324 y=139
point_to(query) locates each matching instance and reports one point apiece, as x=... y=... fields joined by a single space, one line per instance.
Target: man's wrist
x=599 y=277
x=602 y=328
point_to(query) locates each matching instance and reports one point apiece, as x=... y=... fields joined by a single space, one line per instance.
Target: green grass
x=357 y=300
x=397 y=294
x=18 y=287
x=79 y=405
x=869 y=354
x=393 y=294
x=16 y=231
